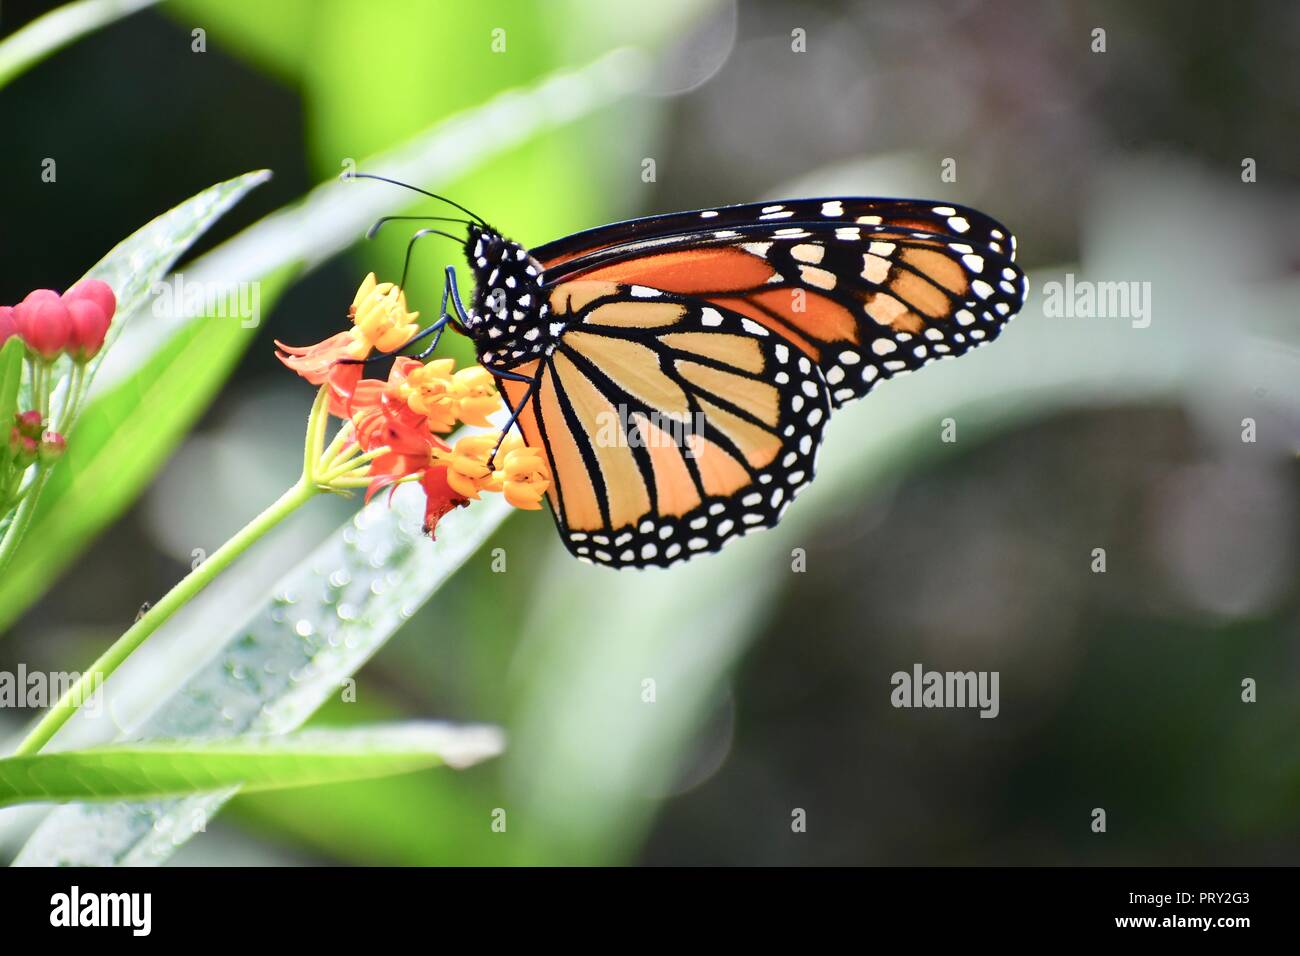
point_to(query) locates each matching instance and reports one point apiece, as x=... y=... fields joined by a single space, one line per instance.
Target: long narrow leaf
x=318 y=626
x=160 y=768
x=47 y=35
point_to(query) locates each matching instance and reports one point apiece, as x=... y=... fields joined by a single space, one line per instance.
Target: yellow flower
x=380 y=315
x=467 y=471
x=429 y=391
x=524 y=476
x=476 y=395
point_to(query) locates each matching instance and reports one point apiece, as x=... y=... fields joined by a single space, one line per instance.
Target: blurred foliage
x=1119 y=690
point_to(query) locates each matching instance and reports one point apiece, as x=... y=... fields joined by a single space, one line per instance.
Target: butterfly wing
x=866 y=288
x=671 y=425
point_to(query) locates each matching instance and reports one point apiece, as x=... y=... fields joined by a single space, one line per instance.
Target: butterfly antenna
x=374 y=230
x=424 y=192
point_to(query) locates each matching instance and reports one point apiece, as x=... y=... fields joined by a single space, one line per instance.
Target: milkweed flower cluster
x=49 y=326
x=393 y=429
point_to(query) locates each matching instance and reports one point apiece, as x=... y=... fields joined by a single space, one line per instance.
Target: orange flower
x=319 y=364
x=467 y=465
x=387 y=470
x=427 y=390
x=399 y=420
x=457 y=476
x=380 y=320
x=406 y=411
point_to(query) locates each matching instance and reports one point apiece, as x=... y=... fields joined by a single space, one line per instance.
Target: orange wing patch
x=690 y=272
x=757 y=444
x=674 y=487
x=578 y=500
x=570 y=297
x=635 y=315
x=626 y=494
x=634 y=367
x=820 y=318
x=736 y=350
x=719 y=472
x=757 y=397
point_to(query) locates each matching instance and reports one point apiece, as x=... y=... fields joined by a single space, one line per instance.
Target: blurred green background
x=1119 y=690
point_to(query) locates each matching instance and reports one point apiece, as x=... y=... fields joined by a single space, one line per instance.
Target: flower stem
x=339 y=468
x=174 y=600
x=22 y=517
x=42 y=373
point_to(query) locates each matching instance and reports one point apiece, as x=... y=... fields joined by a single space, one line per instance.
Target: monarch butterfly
x=679 y=369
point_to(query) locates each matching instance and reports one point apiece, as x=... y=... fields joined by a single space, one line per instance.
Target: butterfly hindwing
x=671 y=425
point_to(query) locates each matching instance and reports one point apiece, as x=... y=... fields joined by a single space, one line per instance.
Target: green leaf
x=11 y=377
x=266 y=675
x=159 y=768
x=58 y=28
x=103 y=468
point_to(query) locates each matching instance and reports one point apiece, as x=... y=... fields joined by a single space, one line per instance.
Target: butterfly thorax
x=508 y=312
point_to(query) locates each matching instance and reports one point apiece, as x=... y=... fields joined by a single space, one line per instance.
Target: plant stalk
x=189 y=586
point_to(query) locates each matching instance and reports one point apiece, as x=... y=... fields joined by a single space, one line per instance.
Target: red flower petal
x=314 y=362
x=100 y=293
x=43 y=322
x=440 y=497
x=88 y=326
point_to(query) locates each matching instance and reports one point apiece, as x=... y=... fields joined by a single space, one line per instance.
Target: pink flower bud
x=30 y=423
x=53 y=445
x=43 y=322
x=97 y=292
x=8 y=327
x=88 y=327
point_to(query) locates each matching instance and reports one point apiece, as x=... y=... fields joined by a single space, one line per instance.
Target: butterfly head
x=508 y=310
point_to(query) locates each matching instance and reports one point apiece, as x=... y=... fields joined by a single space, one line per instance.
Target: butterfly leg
x=514 y=412
x=449 y=287
x=436 y=330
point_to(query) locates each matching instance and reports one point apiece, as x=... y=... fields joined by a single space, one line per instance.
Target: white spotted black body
x=508 y=312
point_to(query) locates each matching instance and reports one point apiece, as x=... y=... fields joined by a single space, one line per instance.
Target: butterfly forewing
x=572 y=254
x=867 y=289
